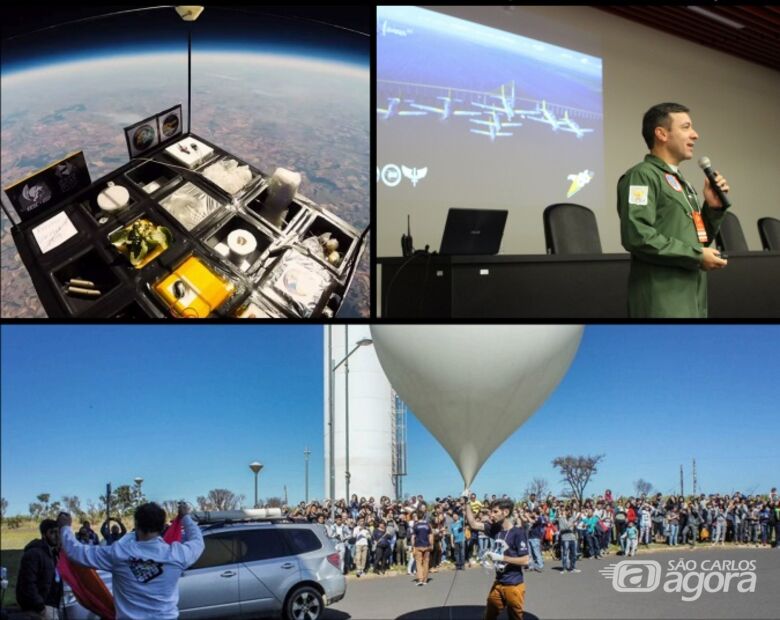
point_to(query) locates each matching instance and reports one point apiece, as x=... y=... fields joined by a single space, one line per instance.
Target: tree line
x=122 y=501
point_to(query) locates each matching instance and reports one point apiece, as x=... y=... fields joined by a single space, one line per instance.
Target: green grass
x=12 y=544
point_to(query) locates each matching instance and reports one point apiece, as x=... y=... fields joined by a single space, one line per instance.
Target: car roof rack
x=213 y=518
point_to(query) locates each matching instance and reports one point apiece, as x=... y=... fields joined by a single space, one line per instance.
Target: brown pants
x=422 y=557
x=361 y=555
x=501 y=596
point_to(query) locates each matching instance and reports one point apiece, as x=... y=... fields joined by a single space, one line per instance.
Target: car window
x=219 y=550
x=302 y=541
x=261 y=544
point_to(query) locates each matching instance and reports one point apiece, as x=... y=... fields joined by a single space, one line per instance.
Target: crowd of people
x=414 y=535
x=377 y=535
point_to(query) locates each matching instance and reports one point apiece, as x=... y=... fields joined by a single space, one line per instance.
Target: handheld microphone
x=706 y=166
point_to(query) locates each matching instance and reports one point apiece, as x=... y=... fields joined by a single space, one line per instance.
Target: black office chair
x=730 y=237
x=570 y=229
x=769 y=229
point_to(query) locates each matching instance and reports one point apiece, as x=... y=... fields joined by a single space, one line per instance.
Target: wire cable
x=386 y=300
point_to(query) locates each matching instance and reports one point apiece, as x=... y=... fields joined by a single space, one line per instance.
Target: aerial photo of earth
x=308 y=114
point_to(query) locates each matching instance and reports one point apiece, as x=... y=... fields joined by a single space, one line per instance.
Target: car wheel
x=305 y=603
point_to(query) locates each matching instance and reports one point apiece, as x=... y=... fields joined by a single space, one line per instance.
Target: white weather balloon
x=472 y=386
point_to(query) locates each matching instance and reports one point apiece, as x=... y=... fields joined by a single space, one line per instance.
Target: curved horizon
x=303 y=52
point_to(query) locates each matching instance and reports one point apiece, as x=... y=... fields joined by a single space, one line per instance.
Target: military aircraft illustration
x=445 y=110
x=566 y=124
x=393 y=103
x=543 y=115
x=494 y=126
x=386 y=29
x=505 y=104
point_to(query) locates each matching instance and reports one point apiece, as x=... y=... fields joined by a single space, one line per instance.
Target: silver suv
x=254 y=569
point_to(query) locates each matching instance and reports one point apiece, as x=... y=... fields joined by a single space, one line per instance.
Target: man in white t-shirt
x=145 y=569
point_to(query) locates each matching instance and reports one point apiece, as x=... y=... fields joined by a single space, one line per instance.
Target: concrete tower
x=371 y=416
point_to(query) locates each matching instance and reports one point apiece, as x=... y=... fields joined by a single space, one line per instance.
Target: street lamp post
x=256 y=466
x=138 y=482
x=331 y=375
x=306 y=454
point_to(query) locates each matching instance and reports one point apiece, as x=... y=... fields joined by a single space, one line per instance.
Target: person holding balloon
x=509 y=555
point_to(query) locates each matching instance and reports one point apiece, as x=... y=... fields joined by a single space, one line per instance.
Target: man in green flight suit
x=662 y=225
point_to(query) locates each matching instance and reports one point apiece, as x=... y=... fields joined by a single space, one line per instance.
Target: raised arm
x=87 y=555
x=190 y=549
x=475 y=525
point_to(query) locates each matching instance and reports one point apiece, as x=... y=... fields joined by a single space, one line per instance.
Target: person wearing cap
x=662 y=224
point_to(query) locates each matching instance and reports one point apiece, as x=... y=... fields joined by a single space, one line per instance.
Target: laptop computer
x=473 y=232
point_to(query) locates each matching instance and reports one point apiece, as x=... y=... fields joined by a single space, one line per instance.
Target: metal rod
x=306 y=454
x=189 y=79
x=346 y=409
x=332 y=468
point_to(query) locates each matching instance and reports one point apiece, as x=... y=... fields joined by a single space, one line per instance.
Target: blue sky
x=188 y=407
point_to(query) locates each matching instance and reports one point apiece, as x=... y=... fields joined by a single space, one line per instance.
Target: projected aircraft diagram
x=386 y=28
x=494 y=126
x=392 y=109
x=493 y=111
x=566 y=124
x=445 y=110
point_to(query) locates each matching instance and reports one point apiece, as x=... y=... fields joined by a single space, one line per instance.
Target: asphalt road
x=461 y=595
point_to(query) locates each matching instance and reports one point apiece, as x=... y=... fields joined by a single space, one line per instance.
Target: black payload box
x=184 y=236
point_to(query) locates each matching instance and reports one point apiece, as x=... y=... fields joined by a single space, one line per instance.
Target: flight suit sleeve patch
x=637 y=194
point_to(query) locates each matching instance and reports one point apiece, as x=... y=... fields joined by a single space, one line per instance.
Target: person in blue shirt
x=509 y=553
x=535 y=535
x=592 y=522
x=422 y=543
x=458 y=540
x=631 y=536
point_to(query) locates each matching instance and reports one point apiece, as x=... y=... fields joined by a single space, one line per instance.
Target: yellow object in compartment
x=205 y=290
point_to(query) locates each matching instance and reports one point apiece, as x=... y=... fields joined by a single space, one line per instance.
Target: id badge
x=701 y=231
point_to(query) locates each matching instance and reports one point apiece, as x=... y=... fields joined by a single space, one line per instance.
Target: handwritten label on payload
x=54 y=231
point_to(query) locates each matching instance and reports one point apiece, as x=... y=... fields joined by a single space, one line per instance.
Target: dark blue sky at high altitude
x=269 y=29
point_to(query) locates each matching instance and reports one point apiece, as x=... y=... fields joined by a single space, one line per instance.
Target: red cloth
x=174 y=531
x=88 y=587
